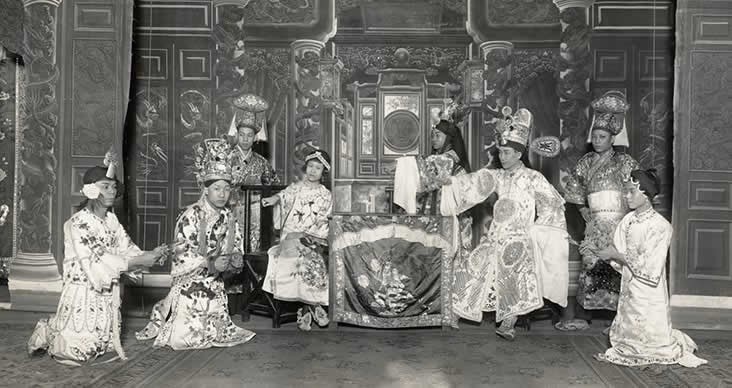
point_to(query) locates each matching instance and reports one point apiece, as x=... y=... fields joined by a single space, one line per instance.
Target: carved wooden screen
x=170 y=111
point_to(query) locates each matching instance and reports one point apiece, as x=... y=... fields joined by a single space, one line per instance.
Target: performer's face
x=107 y=192
x=634 y=196
x=509 y=157
x=314 y=171
x=602 y=140
x=438 y=139
x=246 y=138
x=218 y=193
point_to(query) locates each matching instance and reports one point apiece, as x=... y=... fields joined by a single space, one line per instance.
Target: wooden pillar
x=35 y=282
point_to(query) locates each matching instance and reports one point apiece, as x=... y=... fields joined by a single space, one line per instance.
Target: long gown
x=298 y=272
x=432 y=170
x=524 y=257
x=194 y=314
x=87 y=321
x=597 y=182
x=641 y=333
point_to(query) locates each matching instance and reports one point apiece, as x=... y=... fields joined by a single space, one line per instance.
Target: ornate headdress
x=609 y=116
x=515 y=130
x=320 y=156
x=212 y=160
x=247 y=107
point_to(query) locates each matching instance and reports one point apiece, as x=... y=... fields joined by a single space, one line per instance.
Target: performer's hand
x=270 y=201
x=610 y=253
x=585 y=212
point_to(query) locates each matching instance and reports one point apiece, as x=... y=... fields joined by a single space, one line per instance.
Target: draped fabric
x=11 y=26
x=392 y=271
x=126 y=74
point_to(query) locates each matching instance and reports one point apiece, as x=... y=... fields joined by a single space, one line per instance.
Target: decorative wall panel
x=193 y=125
x=190 y=16
x=611 y=65
x=94 y=17
x=502 y=12
x=709 y=250
x=151 y=64
x=715 y=29
x=94 y=107
x=151 y=138
x=711 y=142
x=710 y=195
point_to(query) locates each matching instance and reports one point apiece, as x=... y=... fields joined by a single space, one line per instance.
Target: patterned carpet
x=414 y=358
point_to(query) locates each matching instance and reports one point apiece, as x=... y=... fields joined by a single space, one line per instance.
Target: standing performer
x=297 y=269
x=641 y=333
x=97 y=251
x=596 y=186
x=194 y=314
x=523 y=259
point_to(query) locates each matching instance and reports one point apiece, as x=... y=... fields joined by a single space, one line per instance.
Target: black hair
x=453 y=141
x=649 y=182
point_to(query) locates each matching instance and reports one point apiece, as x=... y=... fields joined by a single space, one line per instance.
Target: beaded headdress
x=212 y=160
x=609 y=115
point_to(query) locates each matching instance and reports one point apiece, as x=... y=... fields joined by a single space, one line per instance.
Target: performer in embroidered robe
x=194 y=314
x=97 y=251
x=297 y=269
x=524 y=257
x=596 y=186
x=641 y=333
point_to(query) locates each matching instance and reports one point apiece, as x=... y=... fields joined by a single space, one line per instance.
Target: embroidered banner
x=391 y=271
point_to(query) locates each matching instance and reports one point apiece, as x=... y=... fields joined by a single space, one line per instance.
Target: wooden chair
x=254 y=299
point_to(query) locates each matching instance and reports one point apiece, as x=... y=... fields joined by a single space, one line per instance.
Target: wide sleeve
x=125 y=245
x=101 y=265
x=575 y=188
x=549 y=204
x=188 y=257
x=433 y=171
x=648 y=262
x=468 y=190
x=284 y=206
x=322 y=209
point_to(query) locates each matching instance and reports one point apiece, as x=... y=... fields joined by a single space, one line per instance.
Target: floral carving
x=574 y=64
x=37 y=180
x=361 y=62
x=279 y=11
x=307 y=108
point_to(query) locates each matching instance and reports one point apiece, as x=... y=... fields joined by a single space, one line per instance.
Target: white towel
x=406 y=181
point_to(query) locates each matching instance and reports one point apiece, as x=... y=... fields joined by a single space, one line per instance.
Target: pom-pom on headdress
x=515 y=131
x=212 y=160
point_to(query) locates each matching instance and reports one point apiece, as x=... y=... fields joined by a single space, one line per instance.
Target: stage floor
x=350 y=356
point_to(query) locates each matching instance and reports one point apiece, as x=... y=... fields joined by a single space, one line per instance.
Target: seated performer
x=596 y=186
x=641 y=333
x=297 y=270
x=524 y=257
x=194 y=314
x=97 y=250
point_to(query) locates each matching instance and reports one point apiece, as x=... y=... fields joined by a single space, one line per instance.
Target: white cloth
x=551 y=246
x=406 y=182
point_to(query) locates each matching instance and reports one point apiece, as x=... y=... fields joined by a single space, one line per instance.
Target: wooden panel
x=367 y=168
x=152 y=197
x=95 y=94
x=195 y=65
x=654 y=66
x=709 y=29
x=151 y=64
x=77 y=177
x=635 y=15
x=187 y=196
x=94 y=17
x=611 y=65
x=194 y=16
x=709 y=195
x=709 y=253
x=152 y=230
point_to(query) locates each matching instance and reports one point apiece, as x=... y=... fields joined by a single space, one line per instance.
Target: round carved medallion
x=401 y=131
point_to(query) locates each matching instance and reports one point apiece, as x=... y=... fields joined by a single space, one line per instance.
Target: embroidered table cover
x=391 y=271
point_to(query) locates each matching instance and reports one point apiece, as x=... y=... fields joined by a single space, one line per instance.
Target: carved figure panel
x=193 y=125
x=95 y=94
x=151 y=134
x=711 y=139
